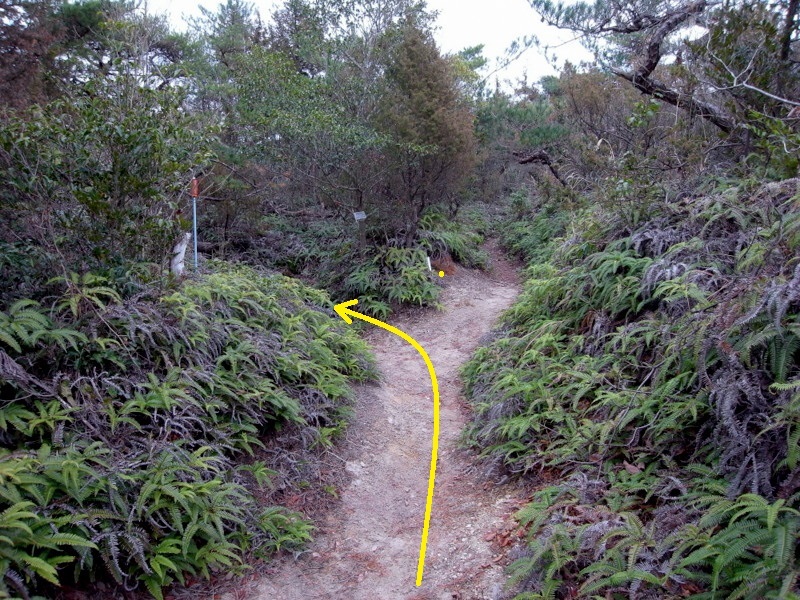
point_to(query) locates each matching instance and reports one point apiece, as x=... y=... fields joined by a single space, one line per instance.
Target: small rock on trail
x=367 y=547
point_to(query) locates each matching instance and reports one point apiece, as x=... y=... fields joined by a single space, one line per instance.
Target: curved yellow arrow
x=343 y=311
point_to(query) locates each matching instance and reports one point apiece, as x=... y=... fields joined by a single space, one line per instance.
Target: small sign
x=360 y=216
x=195 y=191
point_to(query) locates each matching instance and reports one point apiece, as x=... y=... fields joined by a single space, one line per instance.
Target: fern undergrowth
x=385 y=274
x=653 y=370
x=142 y=436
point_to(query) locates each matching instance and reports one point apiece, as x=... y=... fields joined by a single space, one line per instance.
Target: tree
x=432 y=148
x=331 y=102
x=646 y=44
x=324 y=68
x=522 y=125
x=298 y=31
x=117 y=38
x=226 y=37
x=96 y=177
x=28 y=30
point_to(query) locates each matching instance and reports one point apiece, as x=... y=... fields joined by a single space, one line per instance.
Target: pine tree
x=429 y=122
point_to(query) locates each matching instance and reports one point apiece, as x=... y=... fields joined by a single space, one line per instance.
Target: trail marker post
x=360 y=217
x=195 y=192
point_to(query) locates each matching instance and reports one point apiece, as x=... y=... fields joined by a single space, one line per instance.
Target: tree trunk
x=177 y=264
x=543 y=158
x=411 y=233
x=695 y=107
x=788 y=29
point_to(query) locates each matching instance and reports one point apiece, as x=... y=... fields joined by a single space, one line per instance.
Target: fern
x=126 y=417
x=660 y=353
x=84 y=292
x=26 y=326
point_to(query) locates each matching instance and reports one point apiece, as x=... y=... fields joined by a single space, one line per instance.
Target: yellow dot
x=441 y=273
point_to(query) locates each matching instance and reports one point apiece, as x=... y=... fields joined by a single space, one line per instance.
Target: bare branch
x=740 y=80
x=541 y=157
x=641 y=80
x=681 y=100
x=667 y=25
x=769 y=95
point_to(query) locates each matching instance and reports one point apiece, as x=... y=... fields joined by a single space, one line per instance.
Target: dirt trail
x=367 y=547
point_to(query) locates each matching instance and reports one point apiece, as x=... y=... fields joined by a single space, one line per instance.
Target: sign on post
x=360 y=217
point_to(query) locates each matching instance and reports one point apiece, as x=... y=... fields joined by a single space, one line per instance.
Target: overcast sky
x=462 y=23
x=496 y=24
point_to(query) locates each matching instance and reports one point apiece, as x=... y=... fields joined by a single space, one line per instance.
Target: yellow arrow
x=343 y=311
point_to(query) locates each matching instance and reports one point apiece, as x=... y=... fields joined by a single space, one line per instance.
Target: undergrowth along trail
x=367 y=547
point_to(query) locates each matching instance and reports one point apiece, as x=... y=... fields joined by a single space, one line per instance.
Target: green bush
x=94 y=179
x=384 y=275
x=326 y=252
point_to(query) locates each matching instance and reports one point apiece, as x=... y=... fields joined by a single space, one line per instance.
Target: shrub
x=94 y=179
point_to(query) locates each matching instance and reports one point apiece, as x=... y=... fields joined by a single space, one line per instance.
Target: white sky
x=496 y=24
x=462 y=23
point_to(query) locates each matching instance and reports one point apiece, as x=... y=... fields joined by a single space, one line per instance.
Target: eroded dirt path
x=367 y=547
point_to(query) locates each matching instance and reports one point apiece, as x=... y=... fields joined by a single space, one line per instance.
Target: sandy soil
x=367 y=546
